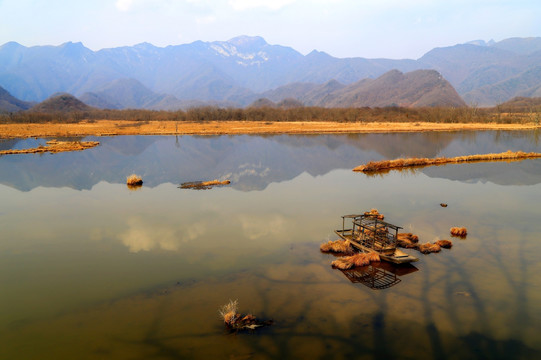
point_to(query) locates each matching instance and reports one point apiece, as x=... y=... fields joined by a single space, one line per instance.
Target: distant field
x=118 y=127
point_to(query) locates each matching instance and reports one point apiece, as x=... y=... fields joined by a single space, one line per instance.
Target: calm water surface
x=92 y=270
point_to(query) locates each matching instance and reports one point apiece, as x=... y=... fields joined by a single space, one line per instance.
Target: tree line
x=272 y=114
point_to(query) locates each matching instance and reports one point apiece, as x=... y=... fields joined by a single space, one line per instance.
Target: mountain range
x=240 y=71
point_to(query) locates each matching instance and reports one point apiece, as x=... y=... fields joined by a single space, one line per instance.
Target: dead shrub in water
x=446 y=244
x=459 y=231
x=134 y=180
x=337 y=246
x=428 y=248
x=235 y=321
x=228 y=312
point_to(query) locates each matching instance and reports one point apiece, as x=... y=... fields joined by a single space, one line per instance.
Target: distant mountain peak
x=245 y=41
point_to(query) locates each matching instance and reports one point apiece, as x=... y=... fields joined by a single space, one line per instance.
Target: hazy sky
x=342 y=28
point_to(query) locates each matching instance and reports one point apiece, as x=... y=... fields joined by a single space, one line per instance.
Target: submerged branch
x=375 y=166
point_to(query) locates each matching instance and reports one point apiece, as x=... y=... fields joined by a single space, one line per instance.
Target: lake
x=90 y=269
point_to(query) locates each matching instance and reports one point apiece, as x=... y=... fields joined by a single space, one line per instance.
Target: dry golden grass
x=429 y=248
x=375 y=213
x=357 y=260
x=119 y=127
x=342 y=264
x=228 y=312
x=373 y=256
x=446 y=244
x=54 y=146
x=204 y=184
x=407 y=240
x=337 y=246
x=376 y=166
x=459 y=231
x=134 y=180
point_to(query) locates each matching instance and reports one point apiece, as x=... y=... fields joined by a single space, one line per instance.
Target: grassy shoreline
x=123 y=127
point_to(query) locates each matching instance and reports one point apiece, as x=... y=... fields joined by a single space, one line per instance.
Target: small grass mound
x=357 y=260
x=459 y=232
x=428 y=248
x=134 y=180
x=446 y=244
x=375 y=213
x=407 y=240
x=337 y=246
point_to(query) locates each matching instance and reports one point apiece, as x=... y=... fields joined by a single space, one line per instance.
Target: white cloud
x=124 y=5
x=255 y=227
x=241 y=5
x=205 y=20
x=141 y=236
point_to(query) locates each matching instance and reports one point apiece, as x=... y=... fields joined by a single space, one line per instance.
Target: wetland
x=90 y=269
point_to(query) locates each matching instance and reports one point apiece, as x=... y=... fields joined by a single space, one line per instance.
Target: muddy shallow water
x=92 y=270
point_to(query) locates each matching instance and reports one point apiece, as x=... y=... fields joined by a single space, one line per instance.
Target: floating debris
x=376 y=166
x=459 y=232
x=443 y=204
x=446 y=244
x=134 y=180
x=337 y=246
x=203 y=185
x=54 y=146
x=236 y=322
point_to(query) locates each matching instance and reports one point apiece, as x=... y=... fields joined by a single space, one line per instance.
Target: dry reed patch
x=342 y=264
x=377 y=166
x=134 y=180
x=204 y=185
x=375 y=213
x=428 y=248
x=54 y=146
x=337 y=246
x=459 y=231
x=446 y=244
x=357 y=260
x=407 y=240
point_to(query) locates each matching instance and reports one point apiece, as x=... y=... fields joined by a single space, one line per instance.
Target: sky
x=394 y=29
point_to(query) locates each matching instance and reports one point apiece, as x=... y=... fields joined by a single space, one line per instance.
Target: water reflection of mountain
x=253 y=162
x=526 y=172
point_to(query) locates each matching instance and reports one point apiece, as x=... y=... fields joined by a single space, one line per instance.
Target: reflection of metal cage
x=375 y=234
x=373 y=277
x=378 y=276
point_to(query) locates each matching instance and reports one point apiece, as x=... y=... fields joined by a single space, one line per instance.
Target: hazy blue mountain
x=413 y=89
x=9 y=103
x=239 y=70
x=61 y=102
